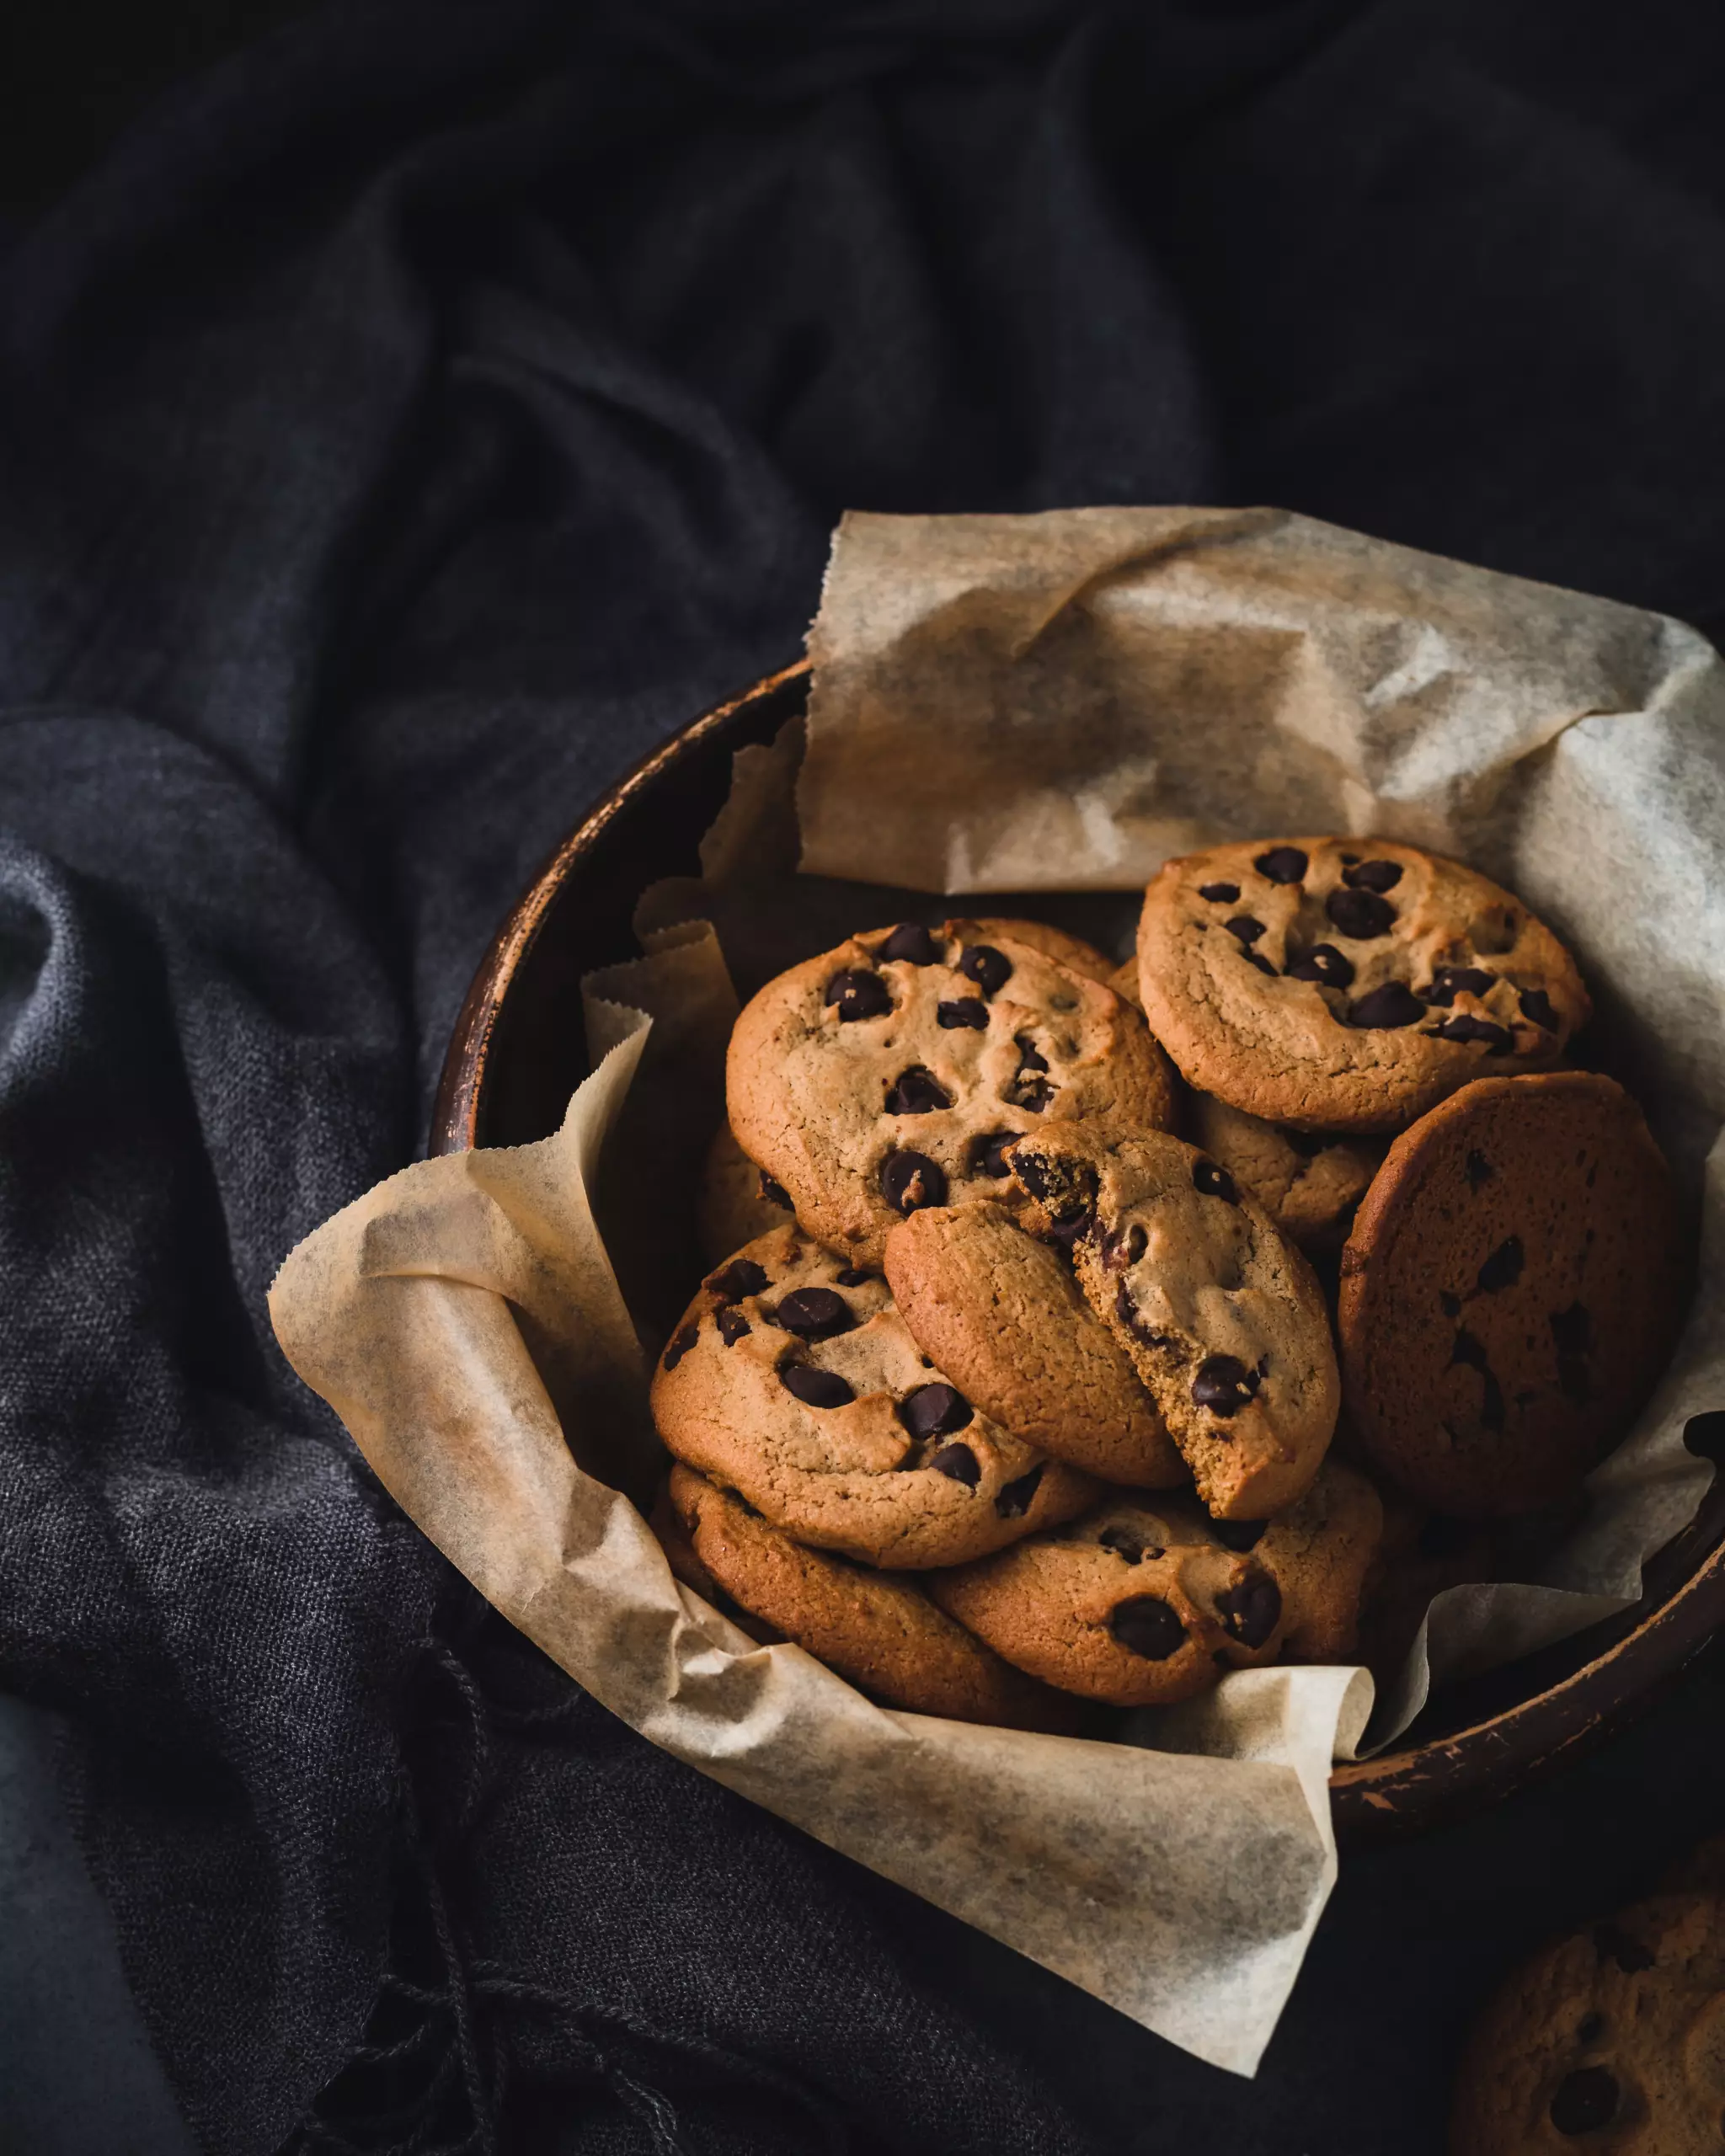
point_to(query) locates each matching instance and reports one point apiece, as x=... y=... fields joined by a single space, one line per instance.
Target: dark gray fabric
x=407 y=427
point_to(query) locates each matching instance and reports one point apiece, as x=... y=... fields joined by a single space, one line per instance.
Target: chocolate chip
x=1251 y=1611
x=1470 y=1351
x=814 y=1314
x=1124 y=1543
x=1125 y=1247
x=858 y=994
x=741 y=1277
x=1308 y=1144
x=959 y=1464
x=910 y=1180
x=1503 y=1269
x=1239 y=1534
x=1593 y=2027
x=1360 y=915
x=917 y=1091
x=1145 y=1624
x=1536 y=1004
x=1625 y=1950
x=1447 y=982
x=1478 y=1170
x=934 y=1411
x=774 y=1193
x=1497 y=1040
x=1030 y=1057
x=1282 y=864
x=1452 y=1303
x=1032 y=1093
x=681 y=1343
x=991 y=970
x=1067 y=1191
x=814 y=1388
x=1387 y=1007
x=910 y=943
x=1572 y=1330
x=854 y=1277
x=987 y=1153
x=1215 y=1181
x=1014 y=1499
x=733 y=1326
x=1245 y=927
x=1221 y=894
x=1372 y=875
x=1224 y=1385
x=1256 y=958
x=1325 y=964
x=1586 y=2098
x=969 y=1010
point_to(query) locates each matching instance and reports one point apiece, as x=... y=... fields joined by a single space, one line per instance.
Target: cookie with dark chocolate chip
x=1510 y=1292
x=736 y=1201
x=878 y=1629
x=1309 y=1182
x=888 y=1075
x=1613 y=2038
x=793 y=1380
x=1347 y=985
x=1219 y=1314
x=1000 y=1313
x=1071 y=952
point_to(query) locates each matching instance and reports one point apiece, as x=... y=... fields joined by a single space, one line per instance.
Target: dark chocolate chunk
x=934 y=1411
x=1593 y=2027
x=733 y=1326
x=1032 y=1093
x=1030 y=1057
x=741 y=1277
x=1214 y=1181
x=1014 y=1499
x=1478 y=1170
x=987 y=1153
x=969 y=1010
x=1147 y=1627
x=1536 y=1004
x=959 y=1464
x=858 y=994
x=1360 y=915
x=681 y=1343
x=1624 y=1949
x=1447 y=982
x=1067 y=1190
x=774 y=1193
x=910 y=1180
x=1221 y=894
x=1256 y=958
x=1372 y=875
x=1251 y=1611
x=1126 y=1248
x=991 y=970
x=814 y=1388
x=1245 y=927
x=917 y=1091
x=1495 y=1040
x=814 y=1313
x=911 y=944
x=1282 y=864
x=1124 y=1543
x=1325 y=964
x=1572 y=1330
x=853 y=1276
x=1239 y=1534
x=1503 y=1269
x=1585 y=2100
x=1224 y=1385
x=1451 y=1304
x=1384 y=1008
x=1308 y=1144
x=1470 y=1351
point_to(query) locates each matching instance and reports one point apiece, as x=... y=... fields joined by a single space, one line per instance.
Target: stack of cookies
x=1044 y=1286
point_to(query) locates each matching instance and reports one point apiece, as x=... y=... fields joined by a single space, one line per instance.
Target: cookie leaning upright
x=888 y=1074
x=1347 y=985
x=1512 y=1288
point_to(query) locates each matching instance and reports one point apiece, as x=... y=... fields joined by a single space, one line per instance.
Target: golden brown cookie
x=793 y=1380
x=1308 y=1182
x=1510 y=1292
x=1611 y=2040
x=736 y=1201
x=877 y=1629
x=1001 y=1314
x=1347 y=985
x=888 y=1074
x=1221 y=1316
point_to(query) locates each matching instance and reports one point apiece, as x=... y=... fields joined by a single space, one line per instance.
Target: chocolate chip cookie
x=793 y=1380
x=1221 y=1316
x=889 y=1074
x=736 y=1201
x=1309 y=1182
x=1510 y=1292
x=878 y=1629
x=1347 y=985
x=1613 y=2039
x=1000 y=1313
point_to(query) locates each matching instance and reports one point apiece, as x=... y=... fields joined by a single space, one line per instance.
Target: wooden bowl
x=514 y=1058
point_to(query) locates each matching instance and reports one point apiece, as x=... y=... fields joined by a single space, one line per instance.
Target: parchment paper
x=1047 y=704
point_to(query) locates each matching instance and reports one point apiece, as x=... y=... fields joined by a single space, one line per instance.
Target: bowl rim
x=1443 y=1777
